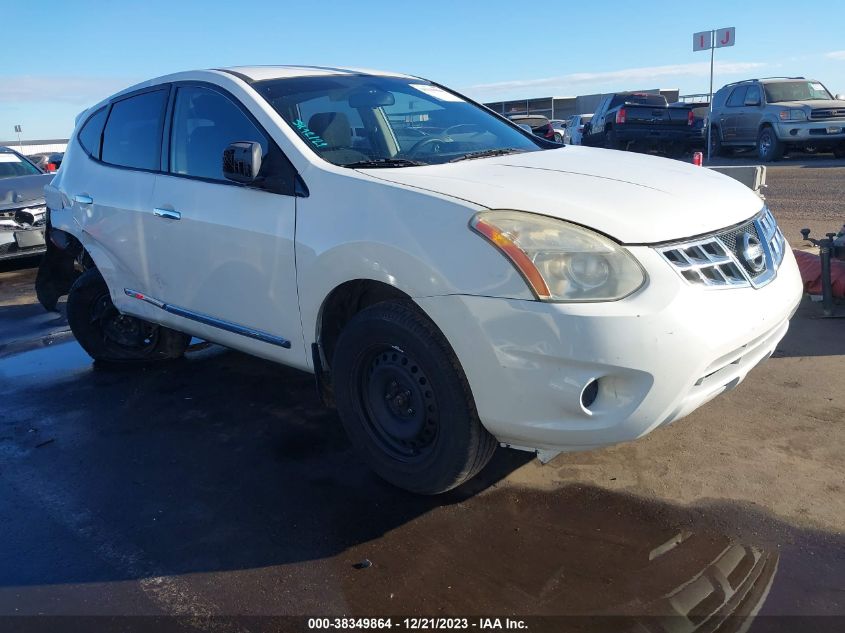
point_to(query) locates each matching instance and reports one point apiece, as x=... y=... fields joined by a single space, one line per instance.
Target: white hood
x=634 y=198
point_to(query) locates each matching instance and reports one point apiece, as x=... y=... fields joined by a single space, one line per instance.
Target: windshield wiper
x=385 y=162
x=488 y=152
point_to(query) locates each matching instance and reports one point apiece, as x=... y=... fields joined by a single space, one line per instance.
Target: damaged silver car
x=23 y=214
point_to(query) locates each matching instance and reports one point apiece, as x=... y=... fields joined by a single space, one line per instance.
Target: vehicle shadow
x=812 y=335
x=227 y=463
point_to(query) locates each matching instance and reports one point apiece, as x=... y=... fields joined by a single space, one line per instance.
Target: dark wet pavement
x=219 y=485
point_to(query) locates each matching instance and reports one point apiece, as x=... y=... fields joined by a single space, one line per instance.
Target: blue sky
x=71 y=53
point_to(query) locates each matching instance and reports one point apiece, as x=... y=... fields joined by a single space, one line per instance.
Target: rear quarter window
x=92 y=133
x=132 y=137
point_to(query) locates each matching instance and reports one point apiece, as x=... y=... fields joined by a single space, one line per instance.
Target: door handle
x=81 y=198
x=169 y=214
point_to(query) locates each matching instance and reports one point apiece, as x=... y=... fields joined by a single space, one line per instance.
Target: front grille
x=828 y=113
x=731 y=240
x=717 y=260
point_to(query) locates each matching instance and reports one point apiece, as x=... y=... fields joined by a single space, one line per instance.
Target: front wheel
x=769 y=146
x=107 y=335
x=405 y=402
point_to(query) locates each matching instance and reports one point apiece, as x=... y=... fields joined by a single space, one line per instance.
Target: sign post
x=18 y=132
x=711 y=40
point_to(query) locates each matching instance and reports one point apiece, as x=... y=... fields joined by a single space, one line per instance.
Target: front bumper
x=821 y=132
x=657 y=355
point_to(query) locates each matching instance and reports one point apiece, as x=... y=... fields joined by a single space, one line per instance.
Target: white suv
x=452 y=280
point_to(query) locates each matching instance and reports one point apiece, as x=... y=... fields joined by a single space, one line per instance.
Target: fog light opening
x=589 y=394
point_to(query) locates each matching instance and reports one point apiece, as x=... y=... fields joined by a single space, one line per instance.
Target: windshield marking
x=316 y=140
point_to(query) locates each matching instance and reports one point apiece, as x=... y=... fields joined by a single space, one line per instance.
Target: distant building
x=28 y=148
x=565 y=107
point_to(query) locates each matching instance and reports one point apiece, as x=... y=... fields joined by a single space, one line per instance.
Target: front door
x=223 y=253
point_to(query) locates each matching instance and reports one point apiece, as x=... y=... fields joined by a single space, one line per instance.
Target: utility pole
x=712 y=40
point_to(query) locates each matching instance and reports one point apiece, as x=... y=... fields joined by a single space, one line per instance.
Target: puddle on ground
x=50 y=361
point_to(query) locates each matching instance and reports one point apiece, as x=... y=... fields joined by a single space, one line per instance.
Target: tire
x=769 y=146
x=108 y=336
x=612 y=141
x=405 y=402
x=716 y=147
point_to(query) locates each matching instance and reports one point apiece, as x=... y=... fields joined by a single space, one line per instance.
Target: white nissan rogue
x=452 y=280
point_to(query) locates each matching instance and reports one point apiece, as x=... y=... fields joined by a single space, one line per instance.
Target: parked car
x=47 y=162
x=575 y=129
x=22 y=207
x=777 y=115
x=540 y=125
x=559 y=126
x=449 y=296
x=641 y=121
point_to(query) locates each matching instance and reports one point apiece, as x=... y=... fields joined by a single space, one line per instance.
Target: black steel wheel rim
x=398 y=404
x=122 y=331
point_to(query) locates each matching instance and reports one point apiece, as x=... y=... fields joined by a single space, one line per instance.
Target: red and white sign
x=725 y=37
x=702 y=41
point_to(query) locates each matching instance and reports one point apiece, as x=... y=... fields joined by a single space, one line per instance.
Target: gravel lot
x=219 y=486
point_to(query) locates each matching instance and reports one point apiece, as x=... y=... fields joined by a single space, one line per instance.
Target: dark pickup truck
x=642 y=121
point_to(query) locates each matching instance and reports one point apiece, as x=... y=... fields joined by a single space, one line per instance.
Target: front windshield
x=796 y=91
x=370 y=121
x=12 y=165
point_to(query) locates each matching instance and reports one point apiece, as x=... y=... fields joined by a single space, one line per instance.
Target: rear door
x=223 y=252
x=111 y=193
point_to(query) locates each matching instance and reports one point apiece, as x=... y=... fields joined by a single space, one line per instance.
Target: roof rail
x=742 y=81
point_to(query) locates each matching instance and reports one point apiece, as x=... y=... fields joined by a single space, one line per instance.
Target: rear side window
x=639 y=99
x=92 y=133
x=204 y=123
x=132 y=137
x=737 y=97
x=752 y=97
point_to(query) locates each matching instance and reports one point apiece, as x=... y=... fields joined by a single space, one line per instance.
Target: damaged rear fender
x=63 y=262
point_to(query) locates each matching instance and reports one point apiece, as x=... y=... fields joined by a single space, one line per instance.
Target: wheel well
x=343 y=303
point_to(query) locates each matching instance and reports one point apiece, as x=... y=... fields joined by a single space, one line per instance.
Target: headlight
x=561 y=261
x=793 y=115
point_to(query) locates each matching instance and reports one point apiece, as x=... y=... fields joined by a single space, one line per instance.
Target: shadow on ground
x=226 y=463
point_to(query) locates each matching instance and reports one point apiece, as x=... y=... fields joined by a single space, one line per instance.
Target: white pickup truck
x=453 y=281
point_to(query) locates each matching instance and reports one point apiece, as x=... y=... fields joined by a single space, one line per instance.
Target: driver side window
x=204 y=123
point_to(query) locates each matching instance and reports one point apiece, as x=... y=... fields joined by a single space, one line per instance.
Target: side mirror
x=242 y=161
x=840 y=97
x=755 y=102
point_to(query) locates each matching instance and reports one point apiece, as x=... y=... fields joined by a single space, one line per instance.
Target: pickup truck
x=636 y=120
